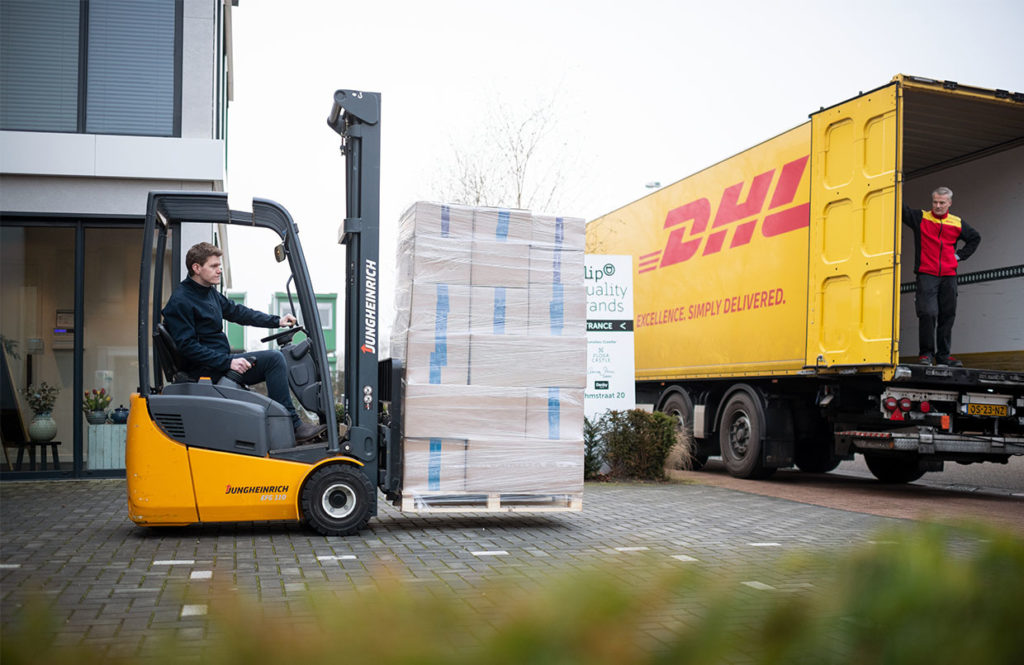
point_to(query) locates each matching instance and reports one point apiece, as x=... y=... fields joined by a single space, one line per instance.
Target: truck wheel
x=894 y=470
x=336 y=500
x=678 y=406
x=816 y=461
x=740 y=438
x=814 y=454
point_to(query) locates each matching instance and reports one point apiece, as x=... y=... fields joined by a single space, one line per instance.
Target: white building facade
x=101 y=101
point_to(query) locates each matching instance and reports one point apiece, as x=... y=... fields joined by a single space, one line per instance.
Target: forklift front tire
x=336 y=500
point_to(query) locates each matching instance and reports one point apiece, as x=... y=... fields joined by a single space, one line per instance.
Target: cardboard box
x=528 y=466
x=464 y=412
x=439 y=220
x=554 y=413
x=557 y=310
x=434 y=465
x=439 y=309
x=434 y=317
x=436 y=260
x=437 y=360
x=559 y=232
x=499 y=310
x=497 y=263
x=503 y=225
x=528 y=362
x=556 y=266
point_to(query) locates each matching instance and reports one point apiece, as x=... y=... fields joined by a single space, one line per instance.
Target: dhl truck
x=774 y=291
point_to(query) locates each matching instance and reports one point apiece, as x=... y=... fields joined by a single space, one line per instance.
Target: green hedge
x=636 y=443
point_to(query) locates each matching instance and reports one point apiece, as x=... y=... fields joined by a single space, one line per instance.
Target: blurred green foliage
x=925 y=594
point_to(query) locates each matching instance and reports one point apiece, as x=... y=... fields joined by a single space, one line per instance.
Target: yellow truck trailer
x=773 y=289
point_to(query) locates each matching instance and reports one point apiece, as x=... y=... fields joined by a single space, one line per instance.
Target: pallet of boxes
x=491 y=328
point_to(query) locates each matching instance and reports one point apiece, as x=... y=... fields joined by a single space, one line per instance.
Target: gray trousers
x=935 y=302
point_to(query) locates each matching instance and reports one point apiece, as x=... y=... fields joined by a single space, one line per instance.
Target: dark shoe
x=951 y=361
x=307 y=432
x=925 y=359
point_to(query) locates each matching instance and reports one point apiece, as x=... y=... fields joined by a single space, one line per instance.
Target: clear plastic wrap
x=491 y=326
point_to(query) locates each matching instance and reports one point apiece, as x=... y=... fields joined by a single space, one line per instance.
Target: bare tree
x=518 y=159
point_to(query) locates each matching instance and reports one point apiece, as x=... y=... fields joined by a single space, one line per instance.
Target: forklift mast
x=356 y=117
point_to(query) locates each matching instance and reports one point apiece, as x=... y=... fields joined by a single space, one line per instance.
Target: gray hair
x=943 y=191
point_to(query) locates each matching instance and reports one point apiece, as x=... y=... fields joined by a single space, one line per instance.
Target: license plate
x=996 y=410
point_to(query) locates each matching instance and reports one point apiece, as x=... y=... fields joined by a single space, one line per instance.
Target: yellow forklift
x=214 y=451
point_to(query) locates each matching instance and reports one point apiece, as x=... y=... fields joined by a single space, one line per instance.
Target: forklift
x=214 y=451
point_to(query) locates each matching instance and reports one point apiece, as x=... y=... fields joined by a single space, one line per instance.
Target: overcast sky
x=650 y=92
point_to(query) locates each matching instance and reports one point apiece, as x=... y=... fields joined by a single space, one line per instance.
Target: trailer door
x=852 y=299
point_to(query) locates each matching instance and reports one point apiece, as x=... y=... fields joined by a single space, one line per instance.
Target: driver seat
x=170 y=358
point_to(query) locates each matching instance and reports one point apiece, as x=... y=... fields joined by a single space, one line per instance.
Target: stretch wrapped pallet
x=491 y=327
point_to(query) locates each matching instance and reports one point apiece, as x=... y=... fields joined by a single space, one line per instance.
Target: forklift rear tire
x=336 y=500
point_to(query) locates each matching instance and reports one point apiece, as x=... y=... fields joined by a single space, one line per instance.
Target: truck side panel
x=721 y=265
x=852 y=281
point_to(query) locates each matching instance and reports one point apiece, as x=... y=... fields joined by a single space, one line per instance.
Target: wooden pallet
x=490 y=502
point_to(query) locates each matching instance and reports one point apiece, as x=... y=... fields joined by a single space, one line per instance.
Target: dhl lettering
x=688 y=223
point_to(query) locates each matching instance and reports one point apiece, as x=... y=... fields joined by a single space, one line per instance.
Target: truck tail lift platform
x=217 y=452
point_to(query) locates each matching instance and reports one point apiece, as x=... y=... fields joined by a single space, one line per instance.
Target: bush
x=637 y=443
x=593 y=449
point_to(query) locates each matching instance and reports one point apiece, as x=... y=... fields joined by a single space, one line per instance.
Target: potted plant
x=95 y=406
x=41 y=399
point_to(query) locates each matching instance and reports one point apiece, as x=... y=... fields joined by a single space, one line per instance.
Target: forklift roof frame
x=172 y=208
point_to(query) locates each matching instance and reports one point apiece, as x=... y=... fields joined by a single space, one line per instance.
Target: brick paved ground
x=119 y=586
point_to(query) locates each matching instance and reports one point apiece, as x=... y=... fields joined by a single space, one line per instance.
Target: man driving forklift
x=194 y=317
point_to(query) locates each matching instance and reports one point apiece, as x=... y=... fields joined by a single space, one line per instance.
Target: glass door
x=110 y=369
x=37 y=312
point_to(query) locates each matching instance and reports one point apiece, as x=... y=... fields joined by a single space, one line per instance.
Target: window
x=39 y=65
x=122 y=78
x=326 y=310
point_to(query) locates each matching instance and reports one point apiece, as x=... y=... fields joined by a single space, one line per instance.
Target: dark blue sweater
x=195 y=317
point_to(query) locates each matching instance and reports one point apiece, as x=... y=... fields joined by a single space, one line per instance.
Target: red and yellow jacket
x=935 y=240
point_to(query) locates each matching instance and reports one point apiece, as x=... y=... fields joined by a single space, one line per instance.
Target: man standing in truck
x=936 y=257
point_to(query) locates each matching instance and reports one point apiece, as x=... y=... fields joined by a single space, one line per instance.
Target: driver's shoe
x=307 y=432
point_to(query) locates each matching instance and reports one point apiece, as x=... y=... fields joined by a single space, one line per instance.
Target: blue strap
x=434 y=465
x=554 y=406
x=503 y=222
x=499 y=310
x=439 y=357
x=446 y=221
x=556 y=309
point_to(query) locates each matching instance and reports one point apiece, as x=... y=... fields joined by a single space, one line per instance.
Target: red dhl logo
x=686 y=239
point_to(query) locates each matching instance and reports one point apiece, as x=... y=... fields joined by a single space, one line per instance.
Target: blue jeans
x=270 y=366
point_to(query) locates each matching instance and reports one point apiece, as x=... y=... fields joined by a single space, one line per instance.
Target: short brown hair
x=199 y=254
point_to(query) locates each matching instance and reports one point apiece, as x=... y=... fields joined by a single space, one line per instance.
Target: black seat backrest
x=170 y=359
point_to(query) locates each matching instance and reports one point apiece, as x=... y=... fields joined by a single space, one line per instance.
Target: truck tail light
x=890 y=404
x=926 y=407
x=905 y=404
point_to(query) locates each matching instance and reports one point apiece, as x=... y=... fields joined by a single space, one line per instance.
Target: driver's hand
x=240 y=365
x=287 y=321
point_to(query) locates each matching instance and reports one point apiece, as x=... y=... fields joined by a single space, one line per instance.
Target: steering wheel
x=289 y=333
